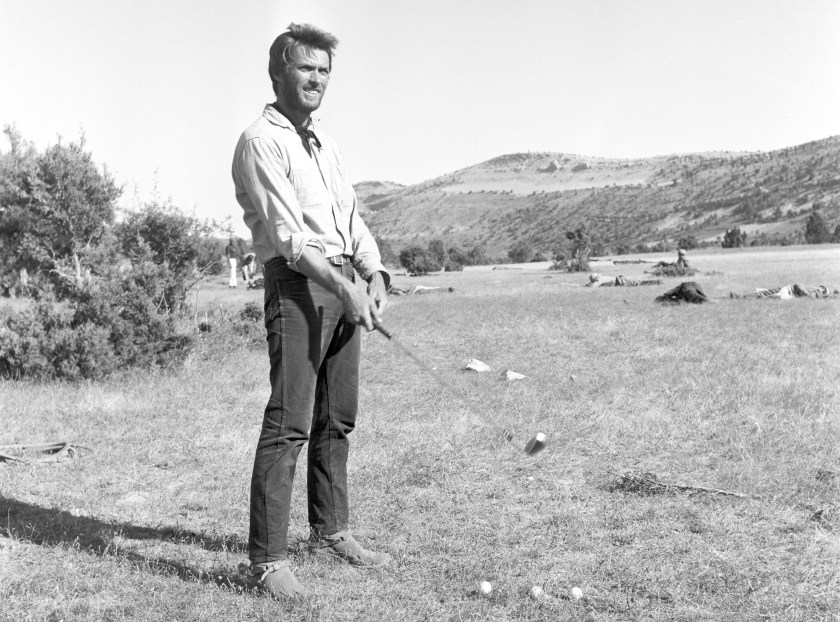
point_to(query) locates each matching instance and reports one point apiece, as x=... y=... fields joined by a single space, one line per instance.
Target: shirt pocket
x=309 y=187
x=342 y=188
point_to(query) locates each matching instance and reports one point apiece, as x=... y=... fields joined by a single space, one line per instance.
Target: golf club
x=530 y=447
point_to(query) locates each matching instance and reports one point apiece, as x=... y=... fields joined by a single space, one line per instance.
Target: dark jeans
x=314 y=353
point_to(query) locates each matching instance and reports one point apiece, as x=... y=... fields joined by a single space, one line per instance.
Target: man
x=231 y=252
x=301 y=210
x=248 y=267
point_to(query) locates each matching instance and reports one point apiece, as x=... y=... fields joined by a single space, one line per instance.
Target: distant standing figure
x=682 y=262
x=249 y=265
x=231 y=252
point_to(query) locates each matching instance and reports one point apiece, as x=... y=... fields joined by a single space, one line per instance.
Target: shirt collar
x=275 y=117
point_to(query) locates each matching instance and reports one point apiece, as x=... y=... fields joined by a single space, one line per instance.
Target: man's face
x=301 y=84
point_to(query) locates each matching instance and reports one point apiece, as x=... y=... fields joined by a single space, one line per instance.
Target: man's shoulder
x=261 y=128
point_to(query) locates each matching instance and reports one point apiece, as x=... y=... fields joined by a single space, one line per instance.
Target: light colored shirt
x=292 y=197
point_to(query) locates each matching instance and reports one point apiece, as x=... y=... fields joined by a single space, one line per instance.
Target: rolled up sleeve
x=268 y=198
x=366 y=256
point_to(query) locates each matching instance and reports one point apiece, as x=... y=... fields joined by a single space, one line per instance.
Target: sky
x=161 y=89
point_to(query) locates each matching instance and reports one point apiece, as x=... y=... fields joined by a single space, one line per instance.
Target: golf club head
x=534 y=446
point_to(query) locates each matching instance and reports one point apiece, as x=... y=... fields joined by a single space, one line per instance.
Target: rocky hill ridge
x=539 y=196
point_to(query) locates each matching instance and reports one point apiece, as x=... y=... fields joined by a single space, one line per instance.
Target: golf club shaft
x=421 y=363
x=508 y=434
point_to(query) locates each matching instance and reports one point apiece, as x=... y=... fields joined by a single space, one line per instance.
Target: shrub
x=161 y=234
x=671 y=269
x=477 y=256
x=90 y=332
x=733 y=238
x=688 y=242
x=386 y=252
x=578 y=264
x=816 y=231
x=417 y=261
x=252 y=312
x=520 y=252
x=452 y=266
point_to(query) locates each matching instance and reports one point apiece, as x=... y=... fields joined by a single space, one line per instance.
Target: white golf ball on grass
x=484 y=588
x=576 y=593
x=536 y=592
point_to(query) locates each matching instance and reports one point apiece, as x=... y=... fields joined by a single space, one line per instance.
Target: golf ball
x=576 y=593
x=485 y=588
x=536 y=592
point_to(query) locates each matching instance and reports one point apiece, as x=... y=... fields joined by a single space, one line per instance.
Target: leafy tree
x=211 y=251
x=520 y=252
x=734 y=238
x=580 y=241
x=386 y=251
x=436 y=252
x=417 y=261
x=72 y=203
x=477 y=257
x=457 y=255
x=55 y=206
x=16 y=166
x=95 y=312
x=688 y=242
x=816 y=231
x=835 y=237
x=167 y=237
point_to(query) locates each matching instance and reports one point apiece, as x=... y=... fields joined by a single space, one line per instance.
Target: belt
x=340 y=260
x=337 y=260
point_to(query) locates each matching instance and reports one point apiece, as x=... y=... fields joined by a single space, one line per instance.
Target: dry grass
x=740 y=395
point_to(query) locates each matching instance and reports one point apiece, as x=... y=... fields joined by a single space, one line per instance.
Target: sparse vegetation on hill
x=629 y=204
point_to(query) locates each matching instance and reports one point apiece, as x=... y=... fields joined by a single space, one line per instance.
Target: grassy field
x=149 y=520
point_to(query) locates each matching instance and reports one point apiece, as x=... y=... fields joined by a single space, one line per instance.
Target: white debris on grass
x=476 y=365
x=134 y=498
x=513 y=375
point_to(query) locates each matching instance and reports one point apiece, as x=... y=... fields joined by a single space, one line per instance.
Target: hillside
x=539 y=196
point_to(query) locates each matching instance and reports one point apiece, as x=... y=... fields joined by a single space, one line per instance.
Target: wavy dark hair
x=297 y=34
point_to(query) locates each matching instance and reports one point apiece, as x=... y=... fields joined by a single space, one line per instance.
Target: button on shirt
x=295 y=194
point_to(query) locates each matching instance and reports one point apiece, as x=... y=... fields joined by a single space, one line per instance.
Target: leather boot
x=344 y=546
x=277 y=579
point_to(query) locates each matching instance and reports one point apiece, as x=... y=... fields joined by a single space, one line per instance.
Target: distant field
x=644 y=405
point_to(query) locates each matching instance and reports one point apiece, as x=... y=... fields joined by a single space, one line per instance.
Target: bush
x=161 y=234
x=453 y=266
x=816 y=231
x=688 y=242
x=477 y=256
x=418 y=261
x=578 y=264
x=671 y=269
x=734 y=238
x=102 y=293
x=252 y=312
x=520 y=252
x=386 y=252
x=90 y=333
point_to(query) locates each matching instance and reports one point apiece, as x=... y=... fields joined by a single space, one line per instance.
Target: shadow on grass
x=26 y=522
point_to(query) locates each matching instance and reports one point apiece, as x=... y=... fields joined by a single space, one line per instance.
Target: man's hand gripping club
x=359 y=308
